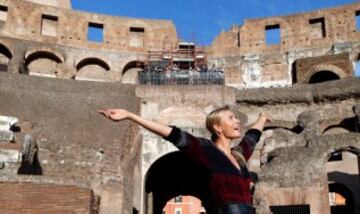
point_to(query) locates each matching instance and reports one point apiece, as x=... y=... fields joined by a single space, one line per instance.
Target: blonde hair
x=213 y=118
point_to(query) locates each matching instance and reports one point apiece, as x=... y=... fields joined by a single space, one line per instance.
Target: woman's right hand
x=115 y=114
x=122 y=114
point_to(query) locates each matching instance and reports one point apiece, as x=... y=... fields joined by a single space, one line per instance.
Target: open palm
x=115 y=114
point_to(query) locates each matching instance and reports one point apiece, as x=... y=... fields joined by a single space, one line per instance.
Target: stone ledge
x=322 y=92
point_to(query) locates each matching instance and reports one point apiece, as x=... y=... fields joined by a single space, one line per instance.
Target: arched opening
x=344 y=181
x=323 y=76
x=182 y=204
x=131 y=71
x=92 y=69
x=174 y=175
x=42 y=63
x=341 y=199
x=345 y=126
x=335 y=130
x=5 y=56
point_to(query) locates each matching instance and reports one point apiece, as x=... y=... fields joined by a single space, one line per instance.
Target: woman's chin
x=236 y=136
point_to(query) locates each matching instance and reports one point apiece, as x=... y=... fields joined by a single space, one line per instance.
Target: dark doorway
x=323 y=76
x=341 y=191
x=176 y=174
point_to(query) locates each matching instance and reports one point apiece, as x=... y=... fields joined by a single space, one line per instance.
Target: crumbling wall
x=42 y=59
x=250 y=61
x=76 y=146
x=24 y=20
x=339 y=64
x=43 y=198
x=291 y=159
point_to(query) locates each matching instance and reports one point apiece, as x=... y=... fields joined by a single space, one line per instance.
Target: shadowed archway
x=92 y=69
x=43 y=63
x=344 y=192
x=131 y=71
x=344 y=182
x=5 y=56
x=172 y=175
x=323 y=76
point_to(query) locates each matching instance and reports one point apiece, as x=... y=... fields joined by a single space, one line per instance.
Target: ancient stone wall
x=250 y=61
x=337 y=63
x=286 y=162
x=42 y=198
x=298 y=172
x=47 y=42
x=76 y=145
x=58 y=26
x=297 y=32
x=52 y=47
x=42 y=59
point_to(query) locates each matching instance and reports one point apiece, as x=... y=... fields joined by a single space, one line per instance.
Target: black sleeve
x=247 y=145
x=178 y=137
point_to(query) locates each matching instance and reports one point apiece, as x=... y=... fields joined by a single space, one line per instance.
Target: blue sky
x=203 y=19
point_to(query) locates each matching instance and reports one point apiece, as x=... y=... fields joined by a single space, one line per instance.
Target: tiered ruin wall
x=28 y=21
x=250 y=62
x=291 y=161
x=77 y=147
x=54 y=42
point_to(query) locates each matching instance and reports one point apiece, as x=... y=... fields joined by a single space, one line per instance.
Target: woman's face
x=229 y=125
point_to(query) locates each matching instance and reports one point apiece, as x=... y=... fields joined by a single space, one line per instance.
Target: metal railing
x=182 y=77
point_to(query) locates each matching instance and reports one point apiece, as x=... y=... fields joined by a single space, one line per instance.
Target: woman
x=230 y=178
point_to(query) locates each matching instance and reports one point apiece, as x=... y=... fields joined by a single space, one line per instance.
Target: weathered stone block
x=9 y=156
x=6 y=136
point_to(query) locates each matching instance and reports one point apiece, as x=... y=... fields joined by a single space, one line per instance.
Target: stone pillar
x=17 y=63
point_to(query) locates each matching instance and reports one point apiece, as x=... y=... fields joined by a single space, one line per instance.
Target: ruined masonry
x=58 y=155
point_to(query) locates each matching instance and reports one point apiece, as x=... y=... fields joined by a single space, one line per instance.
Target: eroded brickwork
x=76 y=145
x=301 y=36
x=43 y=198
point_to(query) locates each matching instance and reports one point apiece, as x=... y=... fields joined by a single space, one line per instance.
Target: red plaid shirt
x=227 y=184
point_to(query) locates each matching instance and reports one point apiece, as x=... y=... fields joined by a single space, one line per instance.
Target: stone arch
x=343 y=177
x=323 y=76
x=341 y=190
x=5 y=57
x=131 y=71
x=353 y=150
x=324 y=72
x=335 y=129
x=172 y=175
x=92 y=68
x=42 y=62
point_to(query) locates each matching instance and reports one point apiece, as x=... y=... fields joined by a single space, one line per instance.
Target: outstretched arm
x=122 y=114
x=247 y=145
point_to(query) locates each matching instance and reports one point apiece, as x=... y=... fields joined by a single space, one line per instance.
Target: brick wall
x=44 y=198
